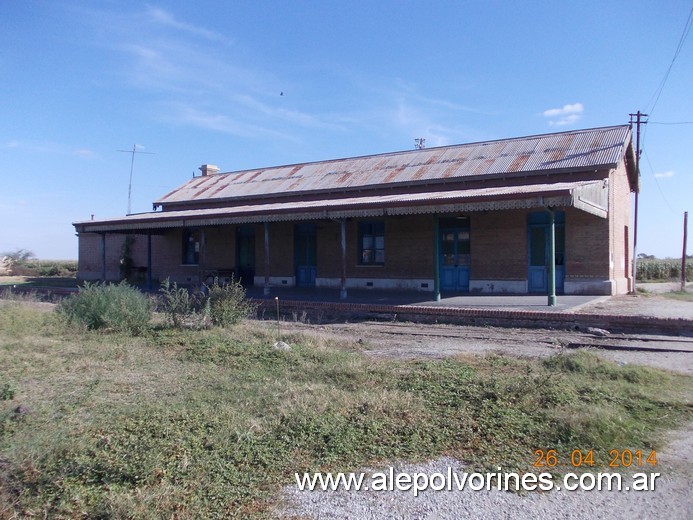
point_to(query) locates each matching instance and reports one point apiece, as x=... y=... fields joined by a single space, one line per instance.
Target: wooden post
x=149 y=260
x=683 y=255
x=266 y=290
x=103 y=257
x=343 y=289
x=202 y=260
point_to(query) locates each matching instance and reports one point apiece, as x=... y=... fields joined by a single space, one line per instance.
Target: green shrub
x=227 y=303
x=49 y=270
x=7 y=392
x=179 y=306
x=107 y=306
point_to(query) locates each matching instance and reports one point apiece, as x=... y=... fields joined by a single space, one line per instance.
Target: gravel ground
x=671 y=498
x=648 y=304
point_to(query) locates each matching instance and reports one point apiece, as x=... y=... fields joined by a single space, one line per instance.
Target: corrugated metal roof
x=339 y=208
x=574 y=150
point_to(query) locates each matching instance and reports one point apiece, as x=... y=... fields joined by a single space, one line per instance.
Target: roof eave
x=448 y=182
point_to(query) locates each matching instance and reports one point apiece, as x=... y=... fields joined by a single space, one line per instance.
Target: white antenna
x=132 y=166
x=420 y=143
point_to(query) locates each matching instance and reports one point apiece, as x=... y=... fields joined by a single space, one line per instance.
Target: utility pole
x=683 y=255
x=132 y=166
x=638 y=121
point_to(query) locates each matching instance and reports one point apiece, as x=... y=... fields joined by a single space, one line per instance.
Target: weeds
x=179 y=306
x=228 y=304
x=7 y=392
x=107 y=306
x=222 y=305
x=210 y=423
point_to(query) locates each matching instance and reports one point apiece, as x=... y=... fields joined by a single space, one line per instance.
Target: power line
x=658 y=186
x=672 y=123
x=684 y=35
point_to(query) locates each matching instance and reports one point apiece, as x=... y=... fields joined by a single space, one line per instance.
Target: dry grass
x=211 y=423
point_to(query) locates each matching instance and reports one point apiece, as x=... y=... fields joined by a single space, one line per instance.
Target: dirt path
x=414 y=341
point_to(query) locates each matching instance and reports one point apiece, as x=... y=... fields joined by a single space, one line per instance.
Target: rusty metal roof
x=505 y=197
x=565 y=151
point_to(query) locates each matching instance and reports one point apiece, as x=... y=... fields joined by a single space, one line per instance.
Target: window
x=455 y=250
x=371 y=243
x=191 y=247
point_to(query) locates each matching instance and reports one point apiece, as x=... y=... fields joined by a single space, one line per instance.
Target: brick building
x=475 y=218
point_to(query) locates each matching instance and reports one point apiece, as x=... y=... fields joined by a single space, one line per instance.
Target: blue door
x=455 y=254
x=306 y=251
x=538 y=248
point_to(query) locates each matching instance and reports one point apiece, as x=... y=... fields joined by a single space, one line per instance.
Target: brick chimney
x=209 y=169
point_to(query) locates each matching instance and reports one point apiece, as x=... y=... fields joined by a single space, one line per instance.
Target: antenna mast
x=132 y=166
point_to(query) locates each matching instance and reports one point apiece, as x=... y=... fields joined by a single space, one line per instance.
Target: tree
x=19 y=256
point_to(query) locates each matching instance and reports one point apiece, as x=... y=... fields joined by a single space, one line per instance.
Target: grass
x=684 y=296
x=39 y=281
x=211 y=423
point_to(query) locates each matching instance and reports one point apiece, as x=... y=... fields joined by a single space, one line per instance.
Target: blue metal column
x=552 y=258
x=343 y=290
x=436 y=258
x=266 y=290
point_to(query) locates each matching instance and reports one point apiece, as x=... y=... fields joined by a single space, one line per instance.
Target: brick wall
x=89 y=265
x=597 y=249
x=498 y=242
x=620 y=240
x=586 y=245
x=329 y=249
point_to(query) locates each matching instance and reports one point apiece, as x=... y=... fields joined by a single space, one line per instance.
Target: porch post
x=552 y=258
x=202 y=260
x=436 y=258
x=343 y=290
x=266 y=290
x=103 y=257
x=149 y=260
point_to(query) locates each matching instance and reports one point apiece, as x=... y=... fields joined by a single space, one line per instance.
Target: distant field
x=663 y=270
x=44 y=268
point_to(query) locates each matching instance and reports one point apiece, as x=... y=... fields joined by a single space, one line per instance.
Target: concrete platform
x=518 y=302
x=324 y=305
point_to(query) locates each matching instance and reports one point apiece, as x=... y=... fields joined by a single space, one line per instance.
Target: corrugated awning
x=588 y=196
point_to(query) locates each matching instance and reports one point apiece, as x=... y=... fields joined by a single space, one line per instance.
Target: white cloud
x=664 y=175
x=575 y=108
x=165 y=18
x=49 y=147
x=566 y=115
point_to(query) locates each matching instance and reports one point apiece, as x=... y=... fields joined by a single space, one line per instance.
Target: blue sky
x=246 y=84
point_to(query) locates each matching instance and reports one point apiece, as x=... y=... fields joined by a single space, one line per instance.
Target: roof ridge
x=424 y=150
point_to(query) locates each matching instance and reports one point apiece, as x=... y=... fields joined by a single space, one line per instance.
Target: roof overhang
x=588 y=196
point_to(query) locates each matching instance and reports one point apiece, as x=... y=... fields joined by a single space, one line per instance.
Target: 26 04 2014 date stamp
x=585 y=458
